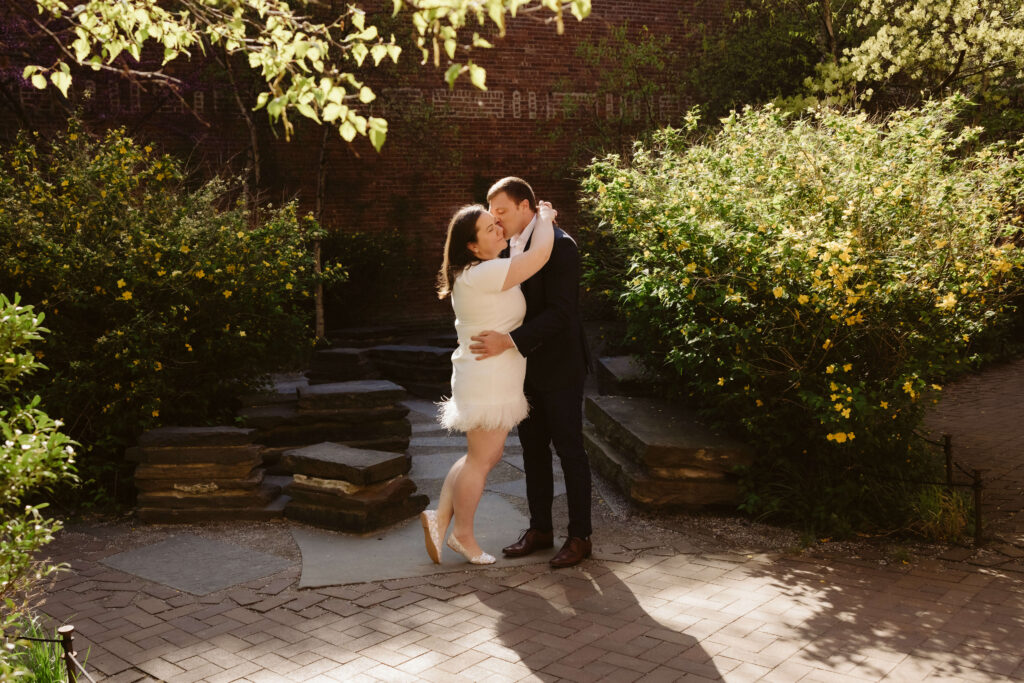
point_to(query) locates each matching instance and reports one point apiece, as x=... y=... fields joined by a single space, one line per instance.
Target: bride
x=487 y=395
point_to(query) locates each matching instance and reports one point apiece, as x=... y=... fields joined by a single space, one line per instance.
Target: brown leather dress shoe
x=530 y=542
x=572 y=553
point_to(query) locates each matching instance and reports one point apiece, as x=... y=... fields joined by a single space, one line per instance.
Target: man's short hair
x=516 y=188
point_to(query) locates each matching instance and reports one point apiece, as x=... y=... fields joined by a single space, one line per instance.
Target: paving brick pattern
x=984 y=413
x=662 y=614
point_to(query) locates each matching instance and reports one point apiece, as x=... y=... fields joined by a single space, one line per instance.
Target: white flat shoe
x=431 y=534
x=482 y=558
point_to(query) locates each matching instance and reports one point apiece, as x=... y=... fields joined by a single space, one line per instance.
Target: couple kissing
x=513 y=279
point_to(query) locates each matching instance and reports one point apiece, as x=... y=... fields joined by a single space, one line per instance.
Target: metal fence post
x=979 y=538
x=67 y=644
x=947 y=448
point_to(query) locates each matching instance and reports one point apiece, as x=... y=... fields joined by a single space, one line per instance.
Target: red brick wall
x=426 y=170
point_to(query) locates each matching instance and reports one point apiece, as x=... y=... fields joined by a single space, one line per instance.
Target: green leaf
x=366 y=95
x=377 y=138
x=451 y=74
x=39 y=81
x=478 y=76
x=307 y=111
x=62 y=81
x=347 y=131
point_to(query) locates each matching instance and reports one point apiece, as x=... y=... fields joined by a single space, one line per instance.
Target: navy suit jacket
x=551 y=336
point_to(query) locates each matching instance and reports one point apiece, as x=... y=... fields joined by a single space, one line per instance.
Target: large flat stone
x=623 y=376
x=340 y=365
x=354 y=465
x=249 y=482
x=196 y=565
x=355 y=521
x=656 y=434
x=196 y=436
x=197 y=472
x=358 y=394
x=201 y=498
x=653 y=493
x=274 y=510
x=317 y=432
x=270 y=416
x=345 y=496
x=214 y=455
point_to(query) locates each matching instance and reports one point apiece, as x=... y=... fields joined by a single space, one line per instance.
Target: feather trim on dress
x=463 y=418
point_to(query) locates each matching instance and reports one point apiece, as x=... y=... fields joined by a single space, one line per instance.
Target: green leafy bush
x=163 y=299
x=34 y=455
x=814 y=281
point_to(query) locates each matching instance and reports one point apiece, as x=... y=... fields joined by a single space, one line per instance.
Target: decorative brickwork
x=444 y=149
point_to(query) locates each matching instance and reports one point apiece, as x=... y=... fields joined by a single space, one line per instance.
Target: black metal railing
x=976 y=484
x=66 y=640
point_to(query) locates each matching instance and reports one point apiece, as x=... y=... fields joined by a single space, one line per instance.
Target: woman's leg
x=484 y=451
x=445 y=508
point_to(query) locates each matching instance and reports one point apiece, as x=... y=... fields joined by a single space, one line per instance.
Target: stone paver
x=660 y=614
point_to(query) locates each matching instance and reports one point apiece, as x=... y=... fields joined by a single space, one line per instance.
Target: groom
x=551 y=338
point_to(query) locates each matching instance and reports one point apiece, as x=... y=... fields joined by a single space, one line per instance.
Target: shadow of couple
x=585 y=623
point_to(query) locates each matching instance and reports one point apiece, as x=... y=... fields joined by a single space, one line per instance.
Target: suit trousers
x=556 y=418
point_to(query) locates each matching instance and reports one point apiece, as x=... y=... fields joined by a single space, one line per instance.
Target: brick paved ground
x=669 y=613
x=664 y=616
x=985 y=415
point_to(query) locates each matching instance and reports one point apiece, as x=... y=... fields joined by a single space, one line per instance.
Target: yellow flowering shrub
x=812 y=282
x=164 y=296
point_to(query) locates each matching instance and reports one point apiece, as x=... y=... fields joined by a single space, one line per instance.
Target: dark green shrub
x=34 y=455
x=813 y=282
x=162 y=300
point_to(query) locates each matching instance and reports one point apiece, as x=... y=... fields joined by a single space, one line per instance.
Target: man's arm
x=561 y=285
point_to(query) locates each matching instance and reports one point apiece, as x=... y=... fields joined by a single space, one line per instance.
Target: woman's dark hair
x=461 y=231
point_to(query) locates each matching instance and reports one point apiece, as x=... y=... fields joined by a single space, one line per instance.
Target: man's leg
x=535 y=438
x=564 y=412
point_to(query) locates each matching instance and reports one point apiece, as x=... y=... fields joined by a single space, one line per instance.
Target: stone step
x=282 y=389
x=191 y=473
x=270 y=416
x=624 y=376
x=658 y=435
x=229 y=498
x=364 y=336
x=271 y=511
x=252 y=481
x=341 y=365
x=317 y=432
x=357 y=394
x=355 y=521
x=196 y=436
x=345 y=496
x=353 y=465
x=213 y=455
x=447 y=340
x=653 y=493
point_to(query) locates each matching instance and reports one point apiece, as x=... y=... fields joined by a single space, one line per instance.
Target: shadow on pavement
x=587 y=621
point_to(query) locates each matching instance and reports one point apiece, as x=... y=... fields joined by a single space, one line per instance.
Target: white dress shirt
x=517 y=243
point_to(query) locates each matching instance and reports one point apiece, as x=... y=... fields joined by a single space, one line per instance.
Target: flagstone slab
x=197 y=436
x=355 y=394
x=214 y=455
x=197 y=565
x=354 y=465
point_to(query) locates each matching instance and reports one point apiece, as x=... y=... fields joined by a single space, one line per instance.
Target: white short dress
x=486 y=394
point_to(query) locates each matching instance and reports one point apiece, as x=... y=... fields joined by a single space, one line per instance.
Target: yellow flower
x=185 y=249
x=126 y=295
x=241 y=333
x=830 y=369
x=721 y=381
x=121 y=284
x=884 y=404
x=188 y=347
x=288 y=286
x=158 y=366
x=947 y=302
x=156 y=413
x=200 y=273
x=847 y=367
x=803 y=298
x=117 y=386
x=778 y=292
x=840 y=437
x=759 y=403
x=691 y=267
x=827 y=345
x=227 y=293
x=936 y=387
